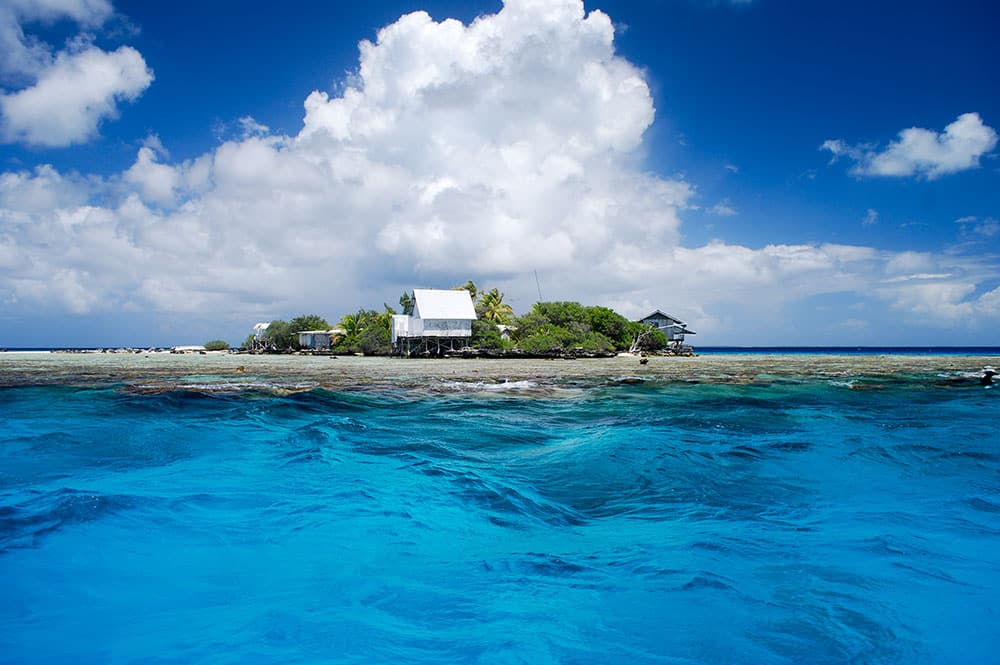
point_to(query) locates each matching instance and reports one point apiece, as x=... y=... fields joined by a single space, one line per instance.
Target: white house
x=671 y=326
x=441 y=321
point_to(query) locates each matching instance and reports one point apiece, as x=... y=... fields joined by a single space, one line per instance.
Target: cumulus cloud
x=489 y=150
x=64 y=95
x=164 y=184
x=922 y=152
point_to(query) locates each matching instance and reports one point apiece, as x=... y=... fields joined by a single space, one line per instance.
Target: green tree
x=280 y=335
x=469 y=286
x=367 y=331
x=352 y=324
x=309 y=322
x=284 y=335
x=492 y=308
x=564 y=313
x=569 y=325
x=611 y=324
x=407 y=301
x=485 y=335
x=217 y=345
x=646 y=338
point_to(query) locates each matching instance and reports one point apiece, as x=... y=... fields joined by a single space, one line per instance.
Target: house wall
x=447 y=328
x=411 y=326
x=314 y=340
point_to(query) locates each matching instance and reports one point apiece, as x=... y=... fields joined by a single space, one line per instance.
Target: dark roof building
x=671 y=326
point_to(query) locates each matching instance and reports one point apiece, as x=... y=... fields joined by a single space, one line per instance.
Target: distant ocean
x=856 y=350
x=295 y=510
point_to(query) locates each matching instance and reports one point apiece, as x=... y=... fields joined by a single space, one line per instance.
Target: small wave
x=488 y=386
x=708 y=580
x=982 y=505
x=270 y=387
x=22 y=525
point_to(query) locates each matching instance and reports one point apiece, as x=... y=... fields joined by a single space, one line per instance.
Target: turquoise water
x=780 y=520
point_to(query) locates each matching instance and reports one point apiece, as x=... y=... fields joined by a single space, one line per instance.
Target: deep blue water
x=854 y=350
x=654 y=523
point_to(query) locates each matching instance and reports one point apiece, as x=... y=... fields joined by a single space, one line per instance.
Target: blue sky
x=771 y=172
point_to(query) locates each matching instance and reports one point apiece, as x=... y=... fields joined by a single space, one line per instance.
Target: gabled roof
x=443 y=304
x=681 y=328
x=658 y=313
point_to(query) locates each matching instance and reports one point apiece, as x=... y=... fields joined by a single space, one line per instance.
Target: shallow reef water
x=312 y=510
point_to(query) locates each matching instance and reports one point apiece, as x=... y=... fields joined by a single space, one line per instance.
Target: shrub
x=217 y=345
x=485 y=335
x=539 y=343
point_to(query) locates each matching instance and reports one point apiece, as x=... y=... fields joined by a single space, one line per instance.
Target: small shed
x=671 y=326
x=441 y=321
x=318 y=339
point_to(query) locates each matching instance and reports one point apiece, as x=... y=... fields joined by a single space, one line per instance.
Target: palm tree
x=470 y=286
x=353 y=324
x=494 y=309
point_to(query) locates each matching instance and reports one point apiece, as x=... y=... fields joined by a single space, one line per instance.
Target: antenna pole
x=537 y=286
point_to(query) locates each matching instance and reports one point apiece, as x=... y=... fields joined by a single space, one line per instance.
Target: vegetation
x=367 y=331
x=547 y=327
x=492 y=308
x=217 y=345
x=283 y=335
x=647 y=338
x=486 y=335
x=469 y=286
x=407 y=301
x=280 y=336
x=552 y=326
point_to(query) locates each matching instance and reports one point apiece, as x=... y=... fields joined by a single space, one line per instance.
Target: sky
x=773 y=172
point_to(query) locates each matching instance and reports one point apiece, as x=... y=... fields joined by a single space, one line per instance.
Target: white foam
x=485 y=386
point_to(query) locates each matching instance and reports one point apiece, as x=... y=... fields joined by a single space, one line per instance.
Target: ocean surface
x=742 y=508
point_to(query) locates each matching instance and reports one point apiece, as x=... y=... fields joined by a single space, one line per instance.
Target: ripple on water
x=25 y=523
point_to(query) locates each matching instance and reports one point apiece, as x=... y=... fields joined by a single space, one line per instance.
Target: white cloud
x=987 y=227
x=62 y=97
x=489 y=150
x=250 y=127
x=26 y=56
x=922 y=152
x=723 y=208
x=73 y=96
x=871 y=217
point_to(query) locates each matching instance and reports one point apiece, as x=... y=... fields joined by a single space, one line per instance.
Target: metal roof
x=443 y=304
x=663 y=314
